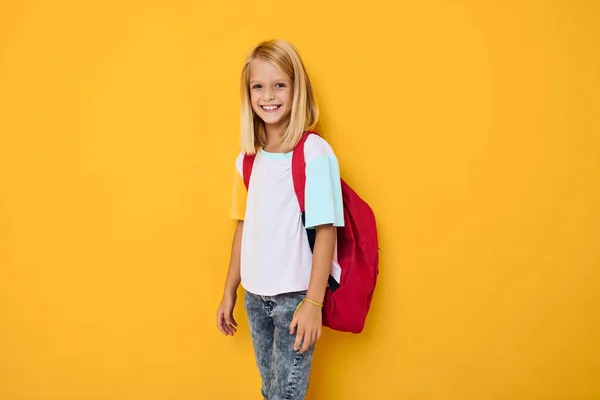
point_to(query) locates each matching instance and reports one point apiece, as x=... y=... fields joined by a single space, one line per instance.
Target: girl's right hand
x=225 y=321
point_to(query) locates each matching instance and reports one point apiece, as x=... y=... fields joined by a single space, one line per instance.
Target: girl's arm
x=225 y=321
x=233 y=275
x=321 y=264
x=309 y=317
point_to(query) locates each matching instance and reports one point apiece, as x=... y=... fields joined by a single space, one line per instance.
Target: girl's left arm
x=321 y=264
x=309 y=317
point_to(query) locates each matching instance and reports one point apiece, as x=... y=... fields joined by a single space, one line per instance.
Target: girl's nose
x=268 y=95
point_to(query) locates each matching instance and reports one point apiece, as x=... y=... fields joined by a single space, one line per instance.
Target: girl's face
x=271 y=93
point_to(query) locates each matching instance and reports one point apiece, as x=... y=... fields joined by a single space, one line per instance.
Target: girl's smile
x=271 y=108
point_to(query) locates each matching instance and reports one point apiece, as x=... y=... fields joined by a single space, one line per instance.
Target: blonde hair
x=305 y=111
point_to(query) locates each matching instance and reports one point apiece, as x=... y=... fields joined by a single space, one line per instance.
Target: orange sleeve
x=238 y=201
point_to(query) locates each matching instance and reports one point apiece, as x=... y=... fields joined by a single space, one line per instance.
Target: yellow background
x=471 y=127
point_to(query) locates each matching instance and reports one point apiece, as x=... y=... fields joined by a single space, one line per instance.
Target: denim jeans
x=284 y=372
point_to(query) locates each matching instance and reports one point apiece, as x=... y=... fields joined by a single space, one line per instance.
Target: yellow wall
x=471 y=127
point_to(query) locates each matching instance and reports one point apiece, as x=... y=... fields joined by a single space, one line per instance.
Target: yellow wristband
x=313 y=302
x=310 y=301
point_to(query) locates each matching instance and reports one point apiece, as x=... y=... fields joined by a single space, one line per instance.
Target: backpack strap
x=299 y=169
x=299 y=176
x=247 y=168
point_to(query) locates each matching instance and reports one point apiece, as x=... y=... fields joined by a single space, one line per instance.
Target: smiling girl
x=281 y=256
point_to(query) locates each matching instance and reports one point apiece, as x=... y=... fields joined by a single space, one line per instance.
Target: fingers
x=220 y=323
x=306 y=336
x=299 y=337
x=226 y=324
x=309 y=339
x=229 y=321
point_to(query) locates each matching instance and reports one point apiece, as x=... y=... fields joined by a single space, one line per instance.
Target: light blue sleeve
x=323 y=196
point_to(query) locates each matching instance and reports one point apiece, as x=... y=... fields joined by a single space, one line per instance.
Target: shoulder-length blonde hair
x=305 y=111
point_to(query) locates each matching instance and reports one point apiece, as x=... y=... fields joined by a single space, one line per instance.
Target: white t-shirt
x=275 y=255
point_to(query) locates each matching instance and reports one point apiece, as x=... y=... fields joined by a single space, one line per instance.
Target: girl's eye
x=256 y=86
x=280 y=85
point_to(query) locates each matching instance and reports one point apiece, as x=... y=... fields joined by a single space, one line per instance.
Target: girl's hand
x=309 y=321
x=225 y=321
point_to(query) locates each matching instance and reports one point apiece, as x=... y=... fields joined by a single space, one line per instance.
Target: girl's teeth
x=269 y=108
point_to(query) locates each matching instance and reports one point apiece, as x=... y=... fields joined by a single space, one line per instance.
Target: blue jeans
x=284 y=371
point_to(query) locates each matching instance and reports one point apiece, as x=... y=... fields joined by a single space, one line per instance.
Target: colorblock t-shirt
x=276 y=256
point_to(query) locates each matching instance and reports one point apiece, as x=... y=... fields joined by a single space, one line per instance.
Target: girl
x=271 y=256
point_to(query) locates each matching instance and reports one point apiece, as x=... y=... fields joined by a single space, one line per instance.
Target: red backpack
x=346 y=304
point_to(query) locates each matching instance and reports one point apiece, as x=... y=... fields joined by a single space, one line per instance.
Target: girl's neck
x=274 y=135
